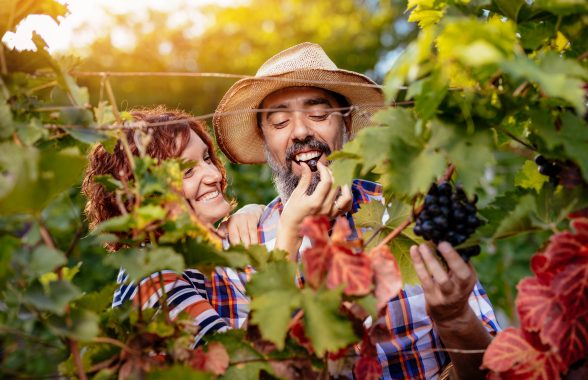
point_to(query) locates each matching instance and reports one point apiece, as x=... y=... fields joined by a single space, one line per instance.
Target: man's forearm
x=465 y=333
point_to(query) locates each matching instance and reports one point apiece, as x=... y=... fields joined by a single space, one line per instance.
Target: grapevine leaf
x=334 y=258
x=353 y=271
x=59 y=294
x=8 y=246
x=433 y=91
x=470 y=153
x=177 y=372
x=17 y=12
x=369 y=215
x=562 y=7
x=142 y=262
x=6 y=122
x=343 y=171
x=553 y=205
x=35 y=177
x=274 y=298
x=45 y=259
x=516 y=355
x=368 y=368
x=327 y=329
x=529 y=177
x=387 y=275
x=557 y=76
x=400 y=248
x=509 y=8
x=215 y=360
x=78 y=324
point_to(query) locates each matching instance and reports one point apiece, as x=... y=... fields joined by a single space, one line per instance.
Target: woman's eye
x=188 y=172
x=207 y=159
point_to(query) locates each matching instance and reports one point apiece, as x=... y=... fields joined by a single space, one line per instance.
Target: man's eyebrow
x=317 y=101
x=275 y=109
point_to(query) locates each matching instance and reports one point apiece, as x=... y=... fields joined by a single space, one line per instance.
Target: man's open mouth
x=307 y=156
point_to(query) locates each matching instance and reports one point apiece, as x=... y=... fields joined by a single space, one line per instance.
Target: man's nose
x=302 y=128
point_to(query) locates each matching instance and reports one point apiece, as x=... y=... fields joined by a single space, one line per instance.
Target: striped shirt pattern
x=215 y=304
x=411 y=349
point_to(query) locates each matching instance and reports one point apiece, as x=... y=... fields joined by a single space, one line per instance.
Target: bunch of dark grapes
x=449 y=216
x=548 y=168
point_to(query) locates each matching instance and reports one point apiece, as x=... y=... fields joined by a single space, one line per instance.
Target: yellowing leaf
x=529 y=177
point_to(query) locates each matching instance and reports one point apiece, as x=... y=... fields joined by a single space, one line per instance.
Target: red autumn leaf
x=536 y=304
x=368 y=366
x=387 y=275
x=556 y=302
x=332 y=258
x=355 y=271
x=297 y=332
x=215 y=360
x=516 y=355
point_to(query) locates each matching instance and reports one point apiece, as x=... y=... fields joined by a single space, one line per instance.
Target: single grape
x=312 y=165
x=540 y=160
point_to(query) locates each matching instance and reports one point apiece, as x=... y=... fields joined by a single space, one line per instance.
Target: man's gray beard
x=284 y=178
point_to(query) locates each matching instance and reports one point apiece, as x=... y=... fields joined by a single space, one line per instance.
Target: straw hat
x=305 y=64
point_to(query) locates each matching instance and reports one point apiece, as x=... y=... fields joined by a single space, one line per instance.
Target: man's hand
x=446 y=291
x=241 y=227
x=325 y=200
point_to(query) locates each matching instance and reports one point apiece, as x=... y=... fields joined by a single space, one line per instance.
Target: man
x=309 y=108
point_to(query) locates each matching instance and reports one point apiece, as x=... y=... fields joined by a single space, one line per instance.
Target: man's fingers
x=439 y=274
x=252 y=228
x=455 y=263
x=345 y=200
x=324 y=185
x=305 y=178
x=420 y=269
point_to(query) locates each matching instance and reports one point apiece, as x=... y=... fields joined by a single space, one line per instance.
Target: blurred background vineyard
x=233 y=37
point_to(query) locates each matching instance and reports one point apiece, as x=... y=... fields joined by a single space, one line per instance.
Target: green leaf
x=470 y=153
x=178 y=372
x=369 y=215
x=343 y=171
x=34 y=177
x=558 y=77
x=142 y=262
x=400 y=248
x=31 y=132
x=6 y=122
x=45 y=259
x=109 y=183
x=433 y=91
x=529 y=177
x=79 y=324
x=274 y=298
x=87 y=135
x=8 y=244
x=55 y=300
x=326 y=328
x=115 y=224
x=552 y=206
x=98 y=300
x=562 y=7
x=16 y=13
x=534 y=34
x=509 y=8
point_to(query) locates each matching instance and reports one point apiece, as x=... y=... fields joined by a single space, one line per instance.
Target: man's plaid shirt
x=413 y=349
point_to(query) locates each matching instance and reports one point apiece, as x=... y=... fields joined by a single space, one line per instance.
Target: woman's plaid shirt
x=412 y=349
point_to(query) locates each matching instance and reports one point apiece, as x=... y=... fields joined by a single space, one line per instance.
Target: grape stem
x=446 y=176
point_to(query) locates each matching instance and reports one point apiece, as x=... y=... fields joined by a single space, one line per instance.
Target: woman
x=218 y=303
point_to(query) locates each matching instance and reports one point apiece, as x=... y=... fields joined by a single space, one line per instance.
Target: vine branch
x=446 y=176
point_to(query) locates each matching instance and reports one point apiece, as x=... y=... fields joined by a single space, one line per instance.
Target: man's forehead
x=290 y=94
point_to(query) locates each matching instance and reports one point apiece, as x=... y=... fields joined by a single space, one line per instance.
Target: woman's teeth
x=208 y=196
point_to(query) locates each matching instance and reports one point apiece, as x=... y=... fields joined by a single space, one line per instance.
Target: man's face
x=299 y=127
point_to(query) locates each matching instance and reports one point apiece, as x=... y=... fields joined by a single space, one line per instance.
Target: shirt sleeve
x=184 y=293
x=480 y=304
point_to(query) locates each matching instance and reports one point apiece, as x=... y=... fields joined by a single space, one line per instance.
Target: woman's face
x=202 y=182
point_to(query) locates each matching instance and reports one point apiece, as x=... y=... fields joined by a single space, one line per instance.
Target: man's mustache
x=309 y=143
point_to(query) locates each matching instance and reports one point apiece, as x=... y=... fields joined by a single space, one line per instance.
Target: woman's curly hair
x=167 y=141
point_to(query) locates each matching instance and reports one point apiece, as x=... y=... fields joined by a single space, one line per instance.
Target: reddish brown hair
x=167 y=141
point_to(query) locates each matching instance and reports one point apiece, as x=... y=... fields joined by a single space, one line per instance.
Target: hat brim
x=235 y=120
